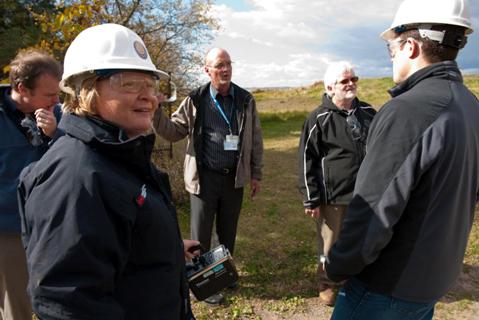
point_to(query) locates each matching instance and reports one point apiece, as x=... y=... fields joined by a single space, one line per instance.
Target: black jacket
x=329 y=156
x=100 y=231
x=16 y=152
x=406 y=229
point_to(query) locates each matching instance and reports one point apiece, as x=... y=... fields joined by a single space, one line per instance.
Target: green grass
x=372 y=90
x=282 y=125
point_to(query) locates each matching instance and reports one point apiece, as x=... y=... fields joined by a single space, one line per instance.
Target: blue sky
x=291 y=42
x=237 y=5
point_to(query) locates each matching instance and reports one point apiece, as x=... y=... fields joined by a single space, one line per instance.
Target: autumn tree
x=17 y=27
x=71 y=17
x=173 y=30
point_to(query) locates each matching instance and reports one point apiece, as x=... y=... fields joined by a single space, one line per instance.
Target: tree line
x=173 y=30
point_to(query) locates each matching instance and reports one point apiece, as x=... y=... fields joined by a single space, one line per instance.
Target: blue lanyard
x=218 y=106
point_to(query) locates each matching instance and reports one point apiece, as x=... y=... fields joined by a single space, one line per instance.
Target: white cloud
x=290 y=42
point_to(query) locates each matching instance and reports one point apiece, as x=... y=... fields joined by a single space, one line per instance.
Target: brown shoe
x=327 y=296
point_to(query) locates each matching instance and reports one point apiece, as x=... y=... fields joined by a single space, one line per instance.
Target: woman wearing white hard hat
x=100 y=231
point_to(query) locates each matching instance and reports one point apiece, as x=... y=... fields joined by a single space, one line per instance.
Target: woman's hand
x=187 y=244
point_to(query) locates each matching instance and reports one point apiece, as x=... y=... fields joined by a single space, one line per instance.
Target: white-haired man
x=331 y=149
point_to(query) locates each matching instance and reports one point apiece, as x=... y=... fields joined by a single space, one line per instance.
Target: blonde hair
x=83 y=101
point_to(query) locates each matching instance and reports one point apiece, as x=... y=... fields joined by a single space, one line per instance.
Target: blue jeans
x=354 y=301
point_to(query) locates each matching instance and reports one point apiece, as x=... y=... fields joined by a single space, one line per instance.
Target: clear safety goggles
x=132 y=83
x=393 y=45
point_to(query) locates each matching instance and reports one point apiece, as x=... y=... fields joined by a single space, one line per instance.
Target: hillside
x=373 y=91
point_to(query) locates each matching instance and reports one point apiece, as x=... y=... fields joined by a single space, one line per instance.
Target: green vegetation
x=277 y=125
x=373 y=91
x=174 y=31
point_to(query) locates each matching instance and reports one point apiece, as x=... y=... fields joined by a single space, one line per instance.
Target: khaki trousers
x=328 y=226
x=14 y=302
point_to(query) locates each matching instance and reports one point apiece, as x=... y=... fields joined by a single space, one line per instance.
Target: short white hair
x=334 y=71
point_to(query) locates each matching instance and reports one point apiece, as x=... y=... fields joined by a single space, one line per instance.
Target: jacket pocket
x=327 y=183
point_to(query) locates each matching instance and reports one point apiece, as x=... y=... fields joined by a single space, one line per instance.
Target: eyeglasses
x=355 y=126
x=34 y=135
x=222 y=65
x=347 y=80
x=128 y=83
x=394 y=45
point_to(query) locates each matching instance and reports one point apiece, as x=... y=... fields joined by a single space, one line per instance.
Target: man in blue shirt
x=29 y=113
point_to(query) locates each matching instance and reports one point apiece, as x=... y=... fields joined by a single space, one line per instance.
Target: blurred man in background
x=29 y=113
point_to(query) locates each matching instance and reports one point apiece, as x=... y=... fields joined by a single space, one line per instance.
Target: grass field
x=276 y=251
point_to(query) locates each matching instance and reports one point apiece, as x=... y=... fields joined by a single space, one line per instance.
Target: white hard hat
x=430 y=12
x=102 y=47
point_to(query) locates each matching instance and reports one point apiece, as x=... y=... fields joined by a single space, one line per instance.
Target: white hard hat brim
x=390 y=34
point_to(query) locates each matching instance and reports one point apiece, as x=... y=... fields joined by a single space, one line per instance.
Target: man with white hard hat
x=406 y=230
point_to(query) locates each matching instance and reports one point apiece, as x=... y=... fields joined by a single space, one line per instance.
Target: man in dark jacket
x=331 y=149
x=29 y=113
x=405 y=232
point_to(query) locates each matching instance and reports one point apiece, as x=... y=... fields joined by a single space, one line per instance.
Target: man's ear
x=207 y=70
x=414 y=49
x=329 y=90
x=21 y=88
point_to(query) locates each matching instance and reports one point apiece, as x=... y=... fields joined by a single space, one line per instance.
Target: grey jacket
x=186 y=122
x=407 y=226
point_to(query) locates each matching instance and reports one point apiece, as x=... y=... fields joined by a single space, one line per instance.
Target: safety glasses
x=394 y=45
x=222 y=65
x=355 y=126
x=129 y=83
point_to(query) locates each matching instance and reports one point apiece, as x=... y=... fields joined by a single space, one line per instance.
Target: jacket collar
x=111 y=140
x=328 y=104
x=444 y=70
x=7 y=102
x=214 y=92
x=240 y=95
x=91 y=128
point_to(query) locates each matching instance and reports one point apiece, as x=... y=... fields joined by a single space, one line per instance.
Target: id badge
x=231 y=143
